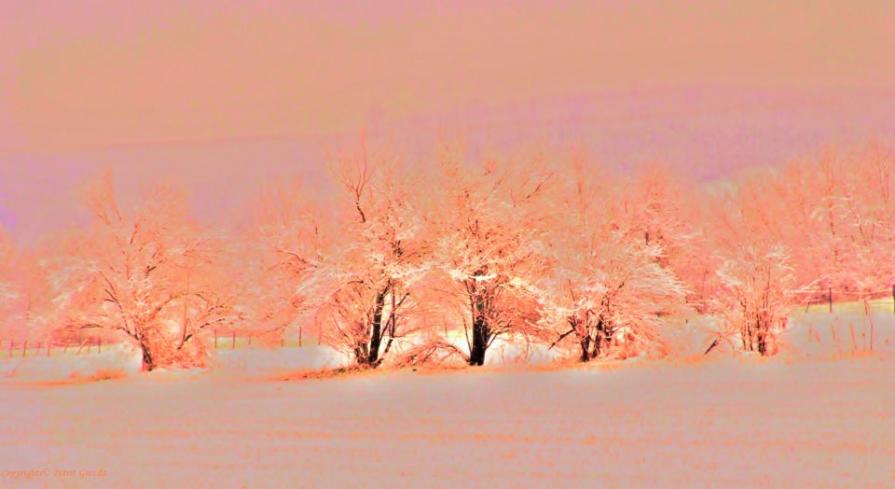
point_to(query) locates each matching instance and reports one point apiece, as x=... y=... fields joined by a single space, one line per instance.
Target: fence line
x=829 y=296
x=31 y=349
x=45 y=348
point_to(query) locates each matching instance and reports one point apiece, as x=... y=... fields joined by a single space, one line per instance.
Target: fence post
x=299 y=336
x=250 y=340
x=233 y=343
x=870 y=319
x=25 y=349
x=830 y=297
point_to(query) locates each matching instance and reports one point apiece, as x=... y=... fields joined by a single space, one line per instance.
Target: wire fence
x=25 y=348
x=831 y=297
x=231 y=340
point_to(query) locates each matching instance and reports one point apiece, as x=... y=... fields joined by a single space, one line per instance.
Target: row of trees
x=403 y=265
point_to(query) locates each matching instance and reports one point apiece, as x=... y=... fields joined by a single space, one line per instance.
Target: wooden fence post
x=870 y=319
x=299 y=336
x=830 y=298
x=25 y=349
x=233 y=343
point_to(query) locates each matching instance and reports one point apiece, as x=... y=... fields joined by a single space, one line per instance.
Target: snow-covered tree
x=492 y=249
x=612 y=287
x=756 y=275
x=376 y=264
x=149 y=276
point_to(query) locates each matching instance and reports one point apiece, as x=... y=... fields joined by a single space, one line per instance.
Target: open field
x=720 y=424
x=818 y=415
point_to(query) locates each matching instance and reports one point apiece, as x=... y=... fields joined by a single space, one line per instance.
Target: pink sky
x=227 y=96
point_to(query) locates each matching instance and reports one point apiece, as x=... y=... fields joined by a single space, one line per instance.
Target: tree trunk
x=585 y=349
x=148 y=364
x=761 y=337
x=601 y=339
x=481 y=334
x=361 y=357
x=608 y=338
x=376 y=333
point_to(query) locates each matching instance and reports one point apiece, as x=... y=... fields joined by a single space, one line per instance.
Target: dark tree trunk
x=481 y=335
x=585 y=349
x=361 y=356
x=761 y=338
x=376 y=333
x=601 y=339
x=148 y=364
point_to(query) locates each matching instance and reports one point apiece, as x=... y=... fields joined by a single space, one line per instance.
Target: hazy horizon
x=226 y=97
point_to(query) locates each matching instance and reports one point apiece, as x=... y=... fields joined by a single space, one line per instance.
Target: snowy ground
x=723 y=424
x=799 y=420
